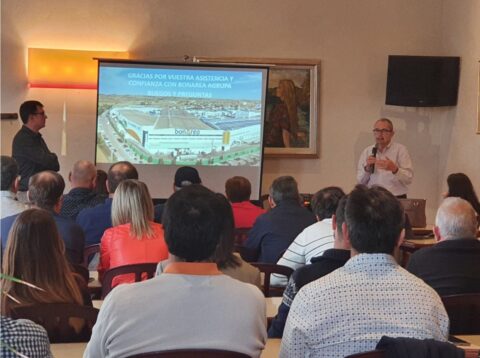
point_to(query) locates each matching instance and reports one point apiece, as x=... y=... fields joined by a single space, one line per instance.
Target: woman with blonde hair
x=134 y=237
x=36 y=254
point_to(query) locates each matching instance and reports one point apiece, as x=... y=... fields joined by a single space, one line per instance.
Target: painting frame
x=305 y=139
x=478 y=100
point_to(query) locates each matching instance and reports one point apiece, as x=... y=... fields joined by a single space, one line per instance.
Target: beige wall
x=351 y=38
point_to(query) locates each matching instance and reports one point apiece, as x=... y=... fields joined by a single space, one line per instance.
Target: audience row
x=346 y=292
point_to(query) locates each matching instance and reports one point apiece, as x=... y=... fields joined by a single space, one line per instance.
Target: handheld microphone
x=374 y=154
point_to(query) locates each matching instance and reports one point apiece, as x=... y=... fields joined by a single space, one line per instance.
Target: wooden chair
x=191 y=353
x=54 y=317
x=140 y=270
x=82 y=271
x=267 y=270
x=248 y=255
x=464 y=313
x=88 y=252
x=377 y=353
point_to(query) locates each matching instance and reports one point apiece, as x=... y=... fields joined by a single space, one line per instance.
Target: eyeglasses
x=383 y=131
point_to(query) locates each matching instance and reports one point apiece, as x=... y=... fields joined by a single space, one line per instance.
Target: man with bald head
x=45 y=191
x=94 y=221
x=386 y=163
x=81 y=196
x=452 y=266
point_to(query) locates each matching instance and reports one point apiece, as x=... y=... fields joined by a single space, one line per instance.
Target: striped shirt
x=311 y=242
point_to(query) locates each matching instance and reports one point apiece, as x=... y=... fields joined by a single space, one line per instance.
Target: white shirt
x=9 y=205
x=349 y=310
x=311 y=242
x=395 y=183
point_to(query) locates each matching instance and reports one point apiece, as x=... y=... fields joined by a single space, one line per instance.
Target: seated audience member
x=35 y=253
x=231 y=263
x=94 y=221
x=100 y=187
x=275 y=230
x=10 y=179
x=45 y=190
x=228 y=262
x=452 y=266
x=23 y=338
x=82 y=179
x=316 y=238
x=459 y=185
x=320 y=266
x=238 y=190
x=184 y=176
x=134 y=237
x=200 y=307
x=350 y=309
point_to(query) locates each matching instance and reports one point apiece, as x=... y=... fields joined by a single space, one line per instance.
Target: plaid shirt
x=25 y=337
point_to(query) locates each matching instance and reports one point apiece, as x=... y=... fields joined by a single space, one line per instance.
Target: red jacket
x=245 y=214
x=118 y=248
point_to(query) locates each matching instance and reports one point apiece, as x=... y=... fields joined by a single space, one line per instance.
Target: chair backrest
x=192 y=353
x=248 y=255
x=82 y=271
x=377 y=353
x=54 y=317
x=139 y=270
x=88 y=252
x=464 y=313
x=241 y=234
x=267 y=270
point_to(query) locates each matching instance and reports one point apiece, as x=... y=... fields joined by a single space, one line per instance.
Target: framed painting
x=478 y=102
x=292 y=102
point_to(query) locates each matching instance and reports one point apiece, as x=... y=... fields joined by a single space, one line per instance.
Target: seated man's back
x=354 y=306
x=452 y=266
x=350 y=309
x=274 y=231
x=182 y=310
x=94 y=221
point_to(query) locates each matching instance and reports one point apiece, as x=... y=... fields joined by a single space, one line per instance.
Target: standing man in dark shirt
x=28 y=147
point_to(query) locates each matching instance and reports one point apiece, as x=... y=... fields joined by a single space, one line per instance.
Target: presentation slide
x=172 y=115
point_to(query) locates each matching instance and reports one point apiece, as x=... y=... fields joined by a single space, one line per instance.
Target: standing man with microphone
x=385 y=163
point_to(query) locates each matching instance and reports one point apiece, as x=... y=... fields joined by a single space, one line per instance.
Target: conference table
x=422 y=237
x=272 y=348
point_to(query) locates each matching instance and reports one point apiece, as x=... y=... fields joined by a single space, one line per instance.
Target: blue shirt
x=94 y=221
x=275 y=230
x=71 y=234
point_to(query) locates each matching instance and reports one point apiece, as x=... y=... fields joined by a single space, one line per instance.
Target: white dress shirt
x=395 y=183
x=349 y=310
x=311 y=242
